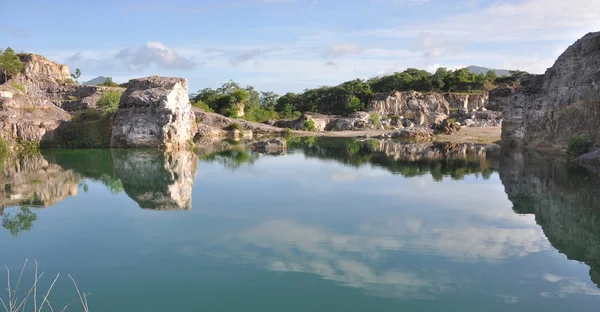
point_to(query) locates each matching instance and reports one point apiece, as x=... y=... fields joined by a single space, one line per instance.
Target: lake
x=331 y=225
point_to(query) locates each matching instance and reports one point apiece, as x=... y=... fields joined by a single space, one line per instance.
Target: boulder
x=590 y=161
x=154 y=112
x=273 y=146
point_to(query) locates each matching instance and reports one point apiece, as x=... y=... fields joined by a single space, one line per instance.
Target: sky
x=290 y=45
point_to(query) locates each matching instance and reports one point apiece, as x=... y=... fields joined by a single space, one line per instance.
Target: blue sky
x=290 y=45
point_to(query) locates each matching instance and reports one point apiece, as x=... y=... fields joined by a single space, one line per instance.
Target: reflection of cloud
x=466 y=243
x=343 y=176
x=569 y=286
x=340 y=258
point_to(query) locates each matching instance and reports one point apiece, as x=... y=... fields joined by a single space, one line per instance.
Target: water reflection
x=155 y=179
x=384 y=250
x=406 y=159
x=565 y=201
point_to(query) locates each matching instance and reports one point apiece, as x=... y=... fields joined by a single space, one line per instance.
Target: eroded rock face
x=548 y=109
x=157 y=179
x=499 y=97
x=45 y=79
x=26 y=119
x=563 y=200
x=154 y=112
x=274 y=146
x=425 y=108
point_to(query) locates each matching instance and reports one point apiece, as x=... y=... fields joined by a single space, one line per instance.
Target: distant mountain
x=96 y=81
x=483 y=70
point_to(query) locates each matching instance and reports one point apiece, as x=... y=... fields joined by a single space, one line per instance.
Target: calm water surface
x=333 y=225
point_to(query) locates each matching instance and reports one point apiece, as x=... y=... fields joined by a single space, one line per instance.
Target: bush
x=579 y=145
x=355 y=105
x=4 y=148
x=232 y=112
x=109 y=83
x=110 y=100
x=203 y=106
x=374 y=118
x=234 y=126
x=309 y=125
x=451 y=121
x=18 y=86
x=258 y=114
x=29 y=109
x=454 y=110
x=72 y=98
x=29 y=148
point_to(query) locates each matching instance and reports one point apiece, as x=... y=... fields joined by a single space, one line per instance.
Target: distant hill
x=96 y=81
x=483 y=70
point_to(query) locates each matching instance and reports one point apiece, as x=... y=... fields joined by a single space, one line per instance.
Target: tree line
x=345 y=98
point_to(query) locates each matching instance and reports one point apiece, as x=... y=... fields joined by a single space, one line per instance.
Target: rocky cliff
x=548 y=109
x=154 y=112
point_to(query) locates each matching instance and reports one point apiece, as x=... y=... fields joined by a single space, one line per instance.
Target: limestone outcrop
x=547 y=110
x=154 y=112
x=25 y=119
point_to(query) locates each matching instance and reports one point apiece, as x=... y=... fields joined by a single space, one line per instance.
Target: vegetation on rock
x=109 y=83
x=109 y=101
x=10 y=64
x=579 y=145
x=309 y=125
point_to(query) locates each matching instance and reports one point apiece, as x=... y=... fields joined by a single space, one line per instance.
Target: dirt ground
x=484 y=135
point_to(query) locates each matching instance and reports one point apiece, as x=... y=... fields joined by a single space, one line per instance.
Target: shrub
x=309 y=125
x=72 y=98
x=579 y=145
x=234 y=126
x=110 y=100
x=374 y=118
x=355 y=105
x=4 y=148
x=454 y=110
x=232 y=112
x=451 y=121
x=287 y=132
x=18 y=86
x=109 y=83
x=29 y=148
x=258 y=114
x=30 y=109
x=203 y=106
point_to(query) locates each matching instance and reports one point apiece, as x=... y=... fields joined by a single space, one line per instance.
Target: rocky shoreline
x=543 y=112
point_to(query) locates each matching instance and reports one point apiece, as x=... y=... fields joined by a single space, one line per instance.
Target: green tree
x=517 y=73
x=77 y=74
x=109 y=82
x=268 y=100
x=355 y=105
x=15 y=223
x=10 y=64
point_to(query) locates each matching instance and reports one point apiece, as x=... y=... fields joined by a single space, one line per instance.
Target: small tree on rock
x=10 y=64
x=77 y=74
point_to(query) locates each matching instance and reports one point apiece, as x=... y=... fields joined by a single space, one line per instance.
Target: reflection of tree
x=409 y=160
x=20 y=221
x=113 y=184
x=231 y=159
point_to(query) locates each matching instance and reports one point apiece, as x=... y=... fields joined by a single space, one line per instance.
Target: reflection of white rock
x=156 y=179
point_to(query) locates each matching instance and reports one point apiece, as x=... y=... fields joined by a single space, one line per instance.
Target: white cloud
x=337 y=50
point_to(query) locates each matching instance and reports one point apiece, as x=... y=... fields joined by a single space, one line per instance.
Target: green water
x=333 y=225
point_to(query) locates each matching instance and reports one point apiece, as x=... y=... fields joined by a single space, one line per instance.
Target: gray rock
x=590 y=161
x=273 y=146
x=154 y=112
x=547 y=110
